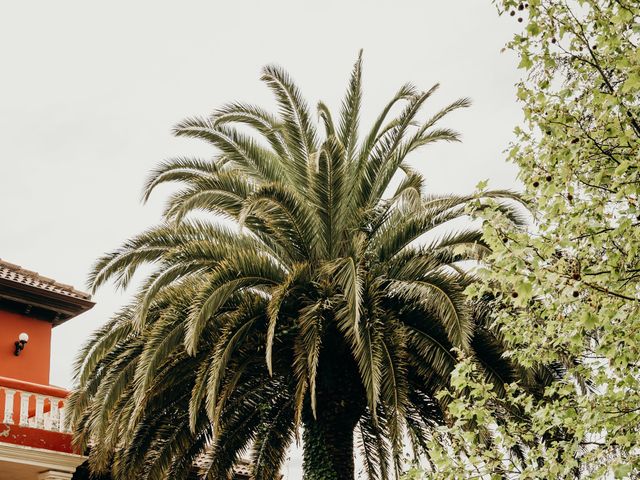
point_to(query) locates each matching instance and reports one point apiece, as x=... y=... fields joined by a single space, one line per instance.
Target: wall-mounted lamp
x=23 y=338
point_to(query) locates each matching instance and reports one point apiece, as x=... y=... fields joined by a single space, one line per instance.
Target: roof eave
x=65 y=307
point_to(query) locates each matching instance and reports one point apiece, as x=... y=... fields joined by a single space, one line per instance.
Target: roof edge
x=62 y=307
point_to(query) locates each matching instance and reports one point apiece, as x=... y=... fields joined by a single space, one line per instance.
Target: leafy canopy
x=330 y=294
x=574 y=275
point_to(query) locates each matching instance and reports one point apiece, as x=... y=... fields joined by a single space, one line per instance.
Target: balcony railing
x=32 y=405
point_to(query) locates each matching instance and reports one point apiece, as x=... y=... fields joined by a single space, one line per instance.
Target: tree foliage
x=329 y=300
x=571 y=280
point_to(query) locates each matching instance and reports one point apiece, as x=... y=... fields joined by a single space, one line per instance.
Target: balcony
x=33 y=438
x=31 y=405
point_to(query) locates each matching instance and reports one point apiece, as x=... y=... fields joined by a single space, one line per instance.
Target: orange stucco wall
x=32 y=365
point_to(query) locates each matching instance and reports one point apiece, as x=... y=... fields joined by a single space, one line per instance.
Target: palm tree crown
x=293 y=291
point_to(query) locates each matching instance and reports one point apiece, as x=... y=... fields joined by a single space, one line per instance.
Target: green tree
x=574 y=274
x=303 y=282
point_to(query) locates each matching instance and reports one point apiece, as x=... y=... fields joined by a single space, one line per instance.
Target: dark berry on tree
x=513 y=12
x=520 y=19
x=553 y=40
x=536 y=184
x=576 y=276
x=576 y=294
x=514 y=294
x=569 y=197
x=548 y=178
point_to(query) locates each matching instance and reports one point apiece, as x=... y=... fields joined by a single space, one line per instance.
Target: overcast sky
x=89 y=92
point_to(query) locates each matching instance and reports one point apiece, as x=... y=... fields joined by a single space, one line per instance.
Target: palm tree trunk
x=328 y=443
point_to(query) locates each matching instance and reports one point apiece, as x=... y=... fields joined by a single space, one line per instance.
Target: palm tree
x=303 y=282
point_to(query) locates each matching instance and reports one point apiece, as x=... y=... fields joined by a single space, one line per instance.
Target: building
x=34 y=444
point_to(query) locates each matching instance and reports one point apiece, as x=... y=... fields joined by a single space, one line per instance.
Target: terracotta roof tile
x=242 y=467
x=15 y=273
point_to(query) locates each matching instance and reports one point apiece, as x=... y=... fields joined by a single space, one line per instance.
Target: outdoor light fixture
x=23 y=338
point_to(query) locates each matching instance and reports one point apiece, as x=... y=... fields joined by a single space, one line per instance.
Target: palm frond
x=293 y=287
x=350 y=113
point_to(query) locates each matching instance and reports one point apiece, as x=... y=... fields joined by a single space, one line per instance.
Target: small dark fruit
x=553 y=40
x=576 y=294
x=569 y=197
x=521 y=7
x=514 y=294
x=520 y=19
x=575 y=140
x=513 y=12
x=576 y=276
x=548 y=178
x=536 y=184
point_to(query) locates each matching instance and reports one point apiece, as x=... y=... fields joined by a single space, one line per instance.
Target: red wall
x=31 y=437
x=32 y=365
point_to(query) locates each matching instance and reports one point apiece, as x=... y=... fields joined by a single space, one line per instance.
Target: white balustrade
x=52 y=422
x=39 y=419
x=48 y=413
x=24 y=409
x=8 y=405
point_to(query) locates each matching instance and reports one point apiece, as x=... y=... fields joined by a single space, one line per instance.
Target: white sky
x=89 y=92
